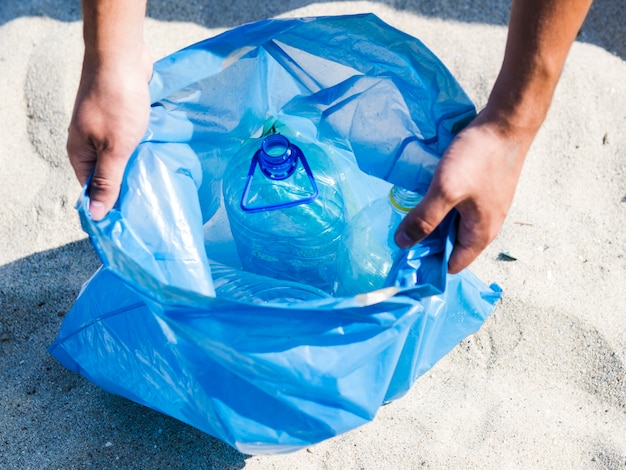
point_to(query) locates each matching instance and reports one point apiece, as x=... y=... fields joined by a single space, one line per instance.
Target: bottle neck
x=277 y=157
x=402 y=200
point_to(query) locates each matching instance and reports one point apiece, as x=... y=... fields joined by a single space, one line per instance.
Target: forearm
x=540 y=35
x=113 y=29
x=112 y=106
x=479 y=171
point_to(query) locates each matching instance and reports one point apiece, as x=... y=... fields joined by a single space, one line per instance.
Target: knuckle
x=418 y=227
x=101 y=184
x=451 y=194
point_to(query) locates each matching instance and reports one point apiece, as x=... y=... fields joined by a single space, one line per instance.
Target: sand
x=541 y=385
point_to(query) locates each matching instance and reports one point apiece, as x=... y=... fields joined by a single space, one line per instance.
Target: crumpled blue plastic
x=277 y=377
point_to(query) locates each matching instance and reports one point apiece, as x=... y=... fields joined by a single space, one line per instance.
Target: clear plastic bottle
x=243 y=286
x=286 y=209
x=369 y=249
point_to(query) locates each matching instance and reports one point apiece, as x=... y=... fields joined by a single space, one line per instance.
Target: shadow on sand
x=605 y=25
x=51 y=414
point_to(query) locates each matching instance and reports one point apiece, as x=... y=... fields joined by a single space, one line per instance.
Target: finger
x=463 y=255
x=422 y=220
x=473 y=235
x=104 y=187
x=82 y=156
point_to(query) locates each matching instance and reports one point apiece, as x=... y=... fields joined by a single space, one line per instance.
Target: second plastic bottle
x=369 y=248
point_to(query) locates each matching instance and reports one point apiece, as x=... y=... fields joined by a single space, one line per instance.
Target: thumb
x=104 y=187
x=422 y=220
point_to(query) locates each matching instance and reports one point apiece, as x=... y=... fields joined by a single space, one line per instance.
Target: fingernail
x=96 y=209
x=403 y=240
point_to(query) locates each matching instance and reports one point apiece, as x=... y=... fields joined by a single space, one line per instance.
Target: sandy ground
x=542 y=385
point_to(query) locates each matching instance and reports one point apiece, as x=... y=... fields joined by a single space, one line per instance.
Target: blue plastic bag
x=277 y=377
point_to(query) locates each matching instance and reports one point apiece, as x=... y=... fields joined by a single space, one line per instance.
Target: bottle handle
x=260 y=158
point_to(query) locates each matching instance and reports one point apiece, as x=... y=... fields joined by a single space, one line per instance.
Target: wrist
x=126 y=59
x=109 y=55
x=539 y=37
x=129 y=63
x=520 y=100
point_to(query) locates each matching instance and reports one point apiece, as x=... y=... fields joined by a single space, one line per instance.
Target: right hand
x=477 y=175
x=110 y=117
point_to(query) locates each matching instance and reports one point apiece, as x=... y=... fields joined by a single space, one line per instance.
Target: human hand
x=477 y=175
x=110 y=117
